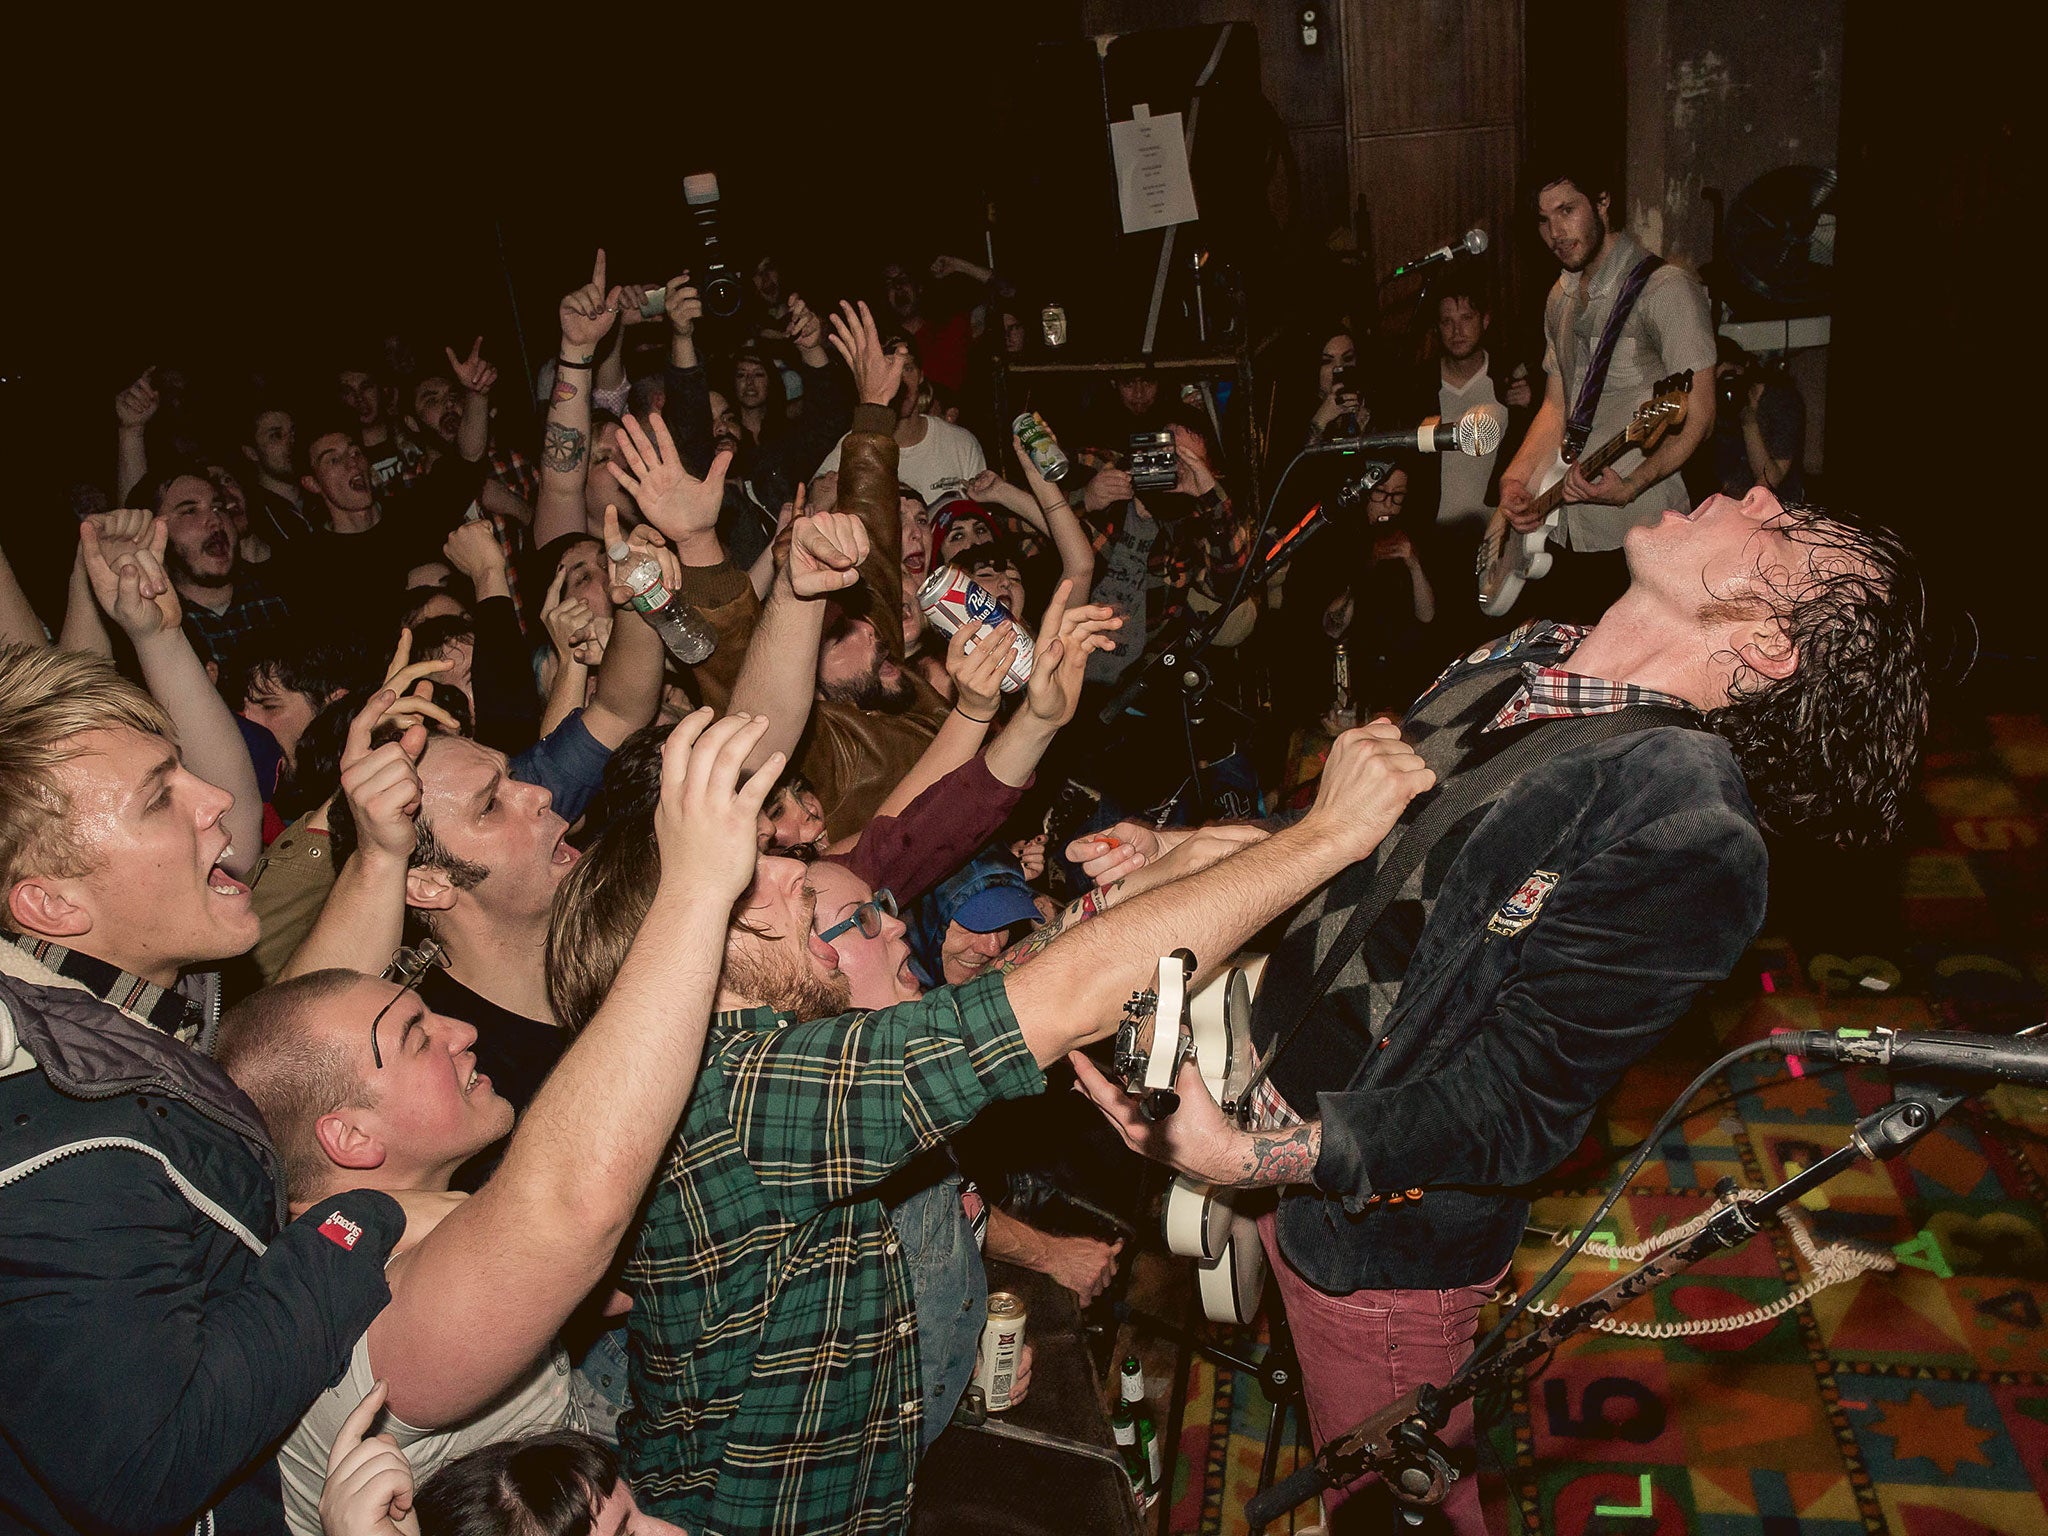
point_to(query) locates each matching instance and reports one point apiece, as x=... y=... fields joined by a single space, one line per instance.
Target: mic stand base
x=1400 y=1443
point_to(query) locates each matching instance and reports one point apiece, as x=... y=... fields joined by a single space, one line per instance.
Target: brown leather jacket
x=853 y=757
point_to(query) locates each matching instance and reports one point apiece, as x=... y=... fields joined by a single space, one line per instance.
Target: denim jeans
x=952 y=1295
x=599 y=1383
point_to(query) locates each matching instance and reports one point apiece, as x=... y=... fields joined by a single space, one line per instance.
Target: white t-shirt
x=1464 y=477
x=541 y=1402
x=940 y=465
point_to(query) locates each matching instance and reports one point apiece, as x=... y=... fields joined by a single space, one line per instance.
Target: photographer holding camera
x=1760 y=429
x=1160 y=522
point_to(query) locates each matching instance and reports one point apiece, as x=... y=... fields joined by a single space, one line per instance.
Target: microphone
x=1474 y=244
x=1477 y=432
x=2012 y=1058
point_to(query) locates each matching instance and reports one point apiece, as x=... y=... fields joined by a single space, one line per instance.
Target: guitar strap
x=1579 y=426
x=1458 y=798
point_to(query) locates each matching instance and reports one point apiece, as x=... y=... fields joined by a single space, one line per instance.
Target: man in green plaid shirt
x=775 y=1367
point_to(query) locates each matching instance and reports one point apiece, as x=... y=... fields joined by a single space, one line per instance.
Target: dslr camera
x=717 y=285
x=1154 y=463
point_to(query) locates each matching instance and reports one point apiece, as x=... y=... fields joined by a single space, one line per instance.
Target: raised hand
x=382 y=783
x=1368 y=779
x=473 y=549
x=125 y=566
x=1066 y=639
x=413 y=684
x=705 y=820
x=572 y=627
x=805 y=331
x=1191 y=475
x=977 y=664
x=472 y=372
x=685 y=305
x=877 y=374
x=825 y=552
x=670 y=497
x=587 y=314
x=643 y=541
x=369 y=1482
x=1106 y=487
x=136 y=404
x=1029 y=853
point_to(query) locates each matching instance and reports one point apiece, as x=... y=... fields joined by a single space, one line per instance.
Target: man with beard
x=1665 y=329
x=227 y=606
x=776 y=1362
x=936 y=457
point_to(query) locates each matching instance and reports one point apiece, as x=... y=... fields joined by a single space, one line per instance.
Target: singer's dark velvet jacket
x=1500 y=1046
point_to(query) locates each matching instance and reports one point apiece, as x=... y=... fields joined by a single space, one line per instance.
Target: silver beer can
x=1001 y=1350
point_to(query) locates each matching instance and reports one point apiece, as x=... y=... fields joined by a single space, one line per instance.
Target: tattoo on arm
x=562 y=448
x=1281 y=1157
x=1035 y=942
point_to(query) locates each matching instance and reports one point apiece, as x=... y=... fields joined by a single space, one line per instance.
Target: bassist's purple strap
x=1580 y=426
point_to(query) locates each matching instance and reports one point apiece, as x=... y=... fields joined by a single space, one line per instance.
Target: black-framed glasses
x=408 y=968
x=867 y=917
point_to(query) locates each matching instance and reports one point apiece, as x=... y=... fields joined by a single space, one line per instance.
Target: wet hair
x=295 y=661
x=1830 y=751
x=550 y=1484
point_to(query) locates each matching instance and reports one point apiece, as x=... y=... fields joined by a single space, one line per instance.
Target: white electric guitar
x=1204 y=1222
x=1508 y=560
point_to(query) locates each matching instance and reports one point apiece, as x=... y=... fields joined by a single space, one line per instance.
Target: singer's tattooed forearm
x=562 y=448
x=1280 y=1157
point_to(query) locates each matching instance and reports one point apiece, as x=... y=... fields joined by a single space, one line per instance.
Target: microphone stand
x=1186 y=636
x=1400 y=1441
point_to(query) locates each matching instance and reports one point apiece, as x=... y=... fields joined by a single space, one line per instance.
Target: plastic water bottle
x=688 y=638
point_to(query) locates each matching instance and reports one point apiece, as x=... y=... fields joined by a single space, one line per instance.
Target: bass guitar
x=1212 y=1225
x=1509 y=560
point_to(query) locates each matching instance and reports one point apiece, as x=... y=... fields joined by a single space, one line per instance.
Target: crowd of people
x=536 y=966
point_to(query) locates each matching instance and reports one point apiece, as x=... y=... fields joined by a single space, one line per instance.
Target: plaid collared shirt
x=255 y=608
x=1548 y=691
x=775 y=1374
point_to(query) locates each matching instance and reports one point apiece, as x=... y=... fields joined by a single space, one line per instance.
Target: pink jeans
x=1360 y=1352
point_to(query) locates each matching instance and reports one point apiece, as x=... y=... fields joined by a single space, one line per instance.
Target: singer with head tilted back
x=1441 y=1019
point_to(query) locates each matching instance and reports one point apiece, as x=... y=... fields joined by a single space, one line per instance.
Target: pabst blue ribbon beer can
x=1001 y=1351
x=951 y=598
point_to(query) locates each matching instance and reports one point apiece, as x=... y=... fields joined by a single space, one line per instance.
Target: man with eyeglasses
x=363 y=1084
x=946 y=1224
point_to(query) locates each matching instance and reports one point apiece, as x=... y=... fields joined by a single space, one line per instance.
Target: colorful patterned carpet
x=1913 y=1402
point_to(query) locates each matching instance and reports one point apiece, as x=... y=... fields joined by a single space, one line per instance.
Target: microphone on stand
x=2013 y=1058
x=1478 y=432
x=1473 y=244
